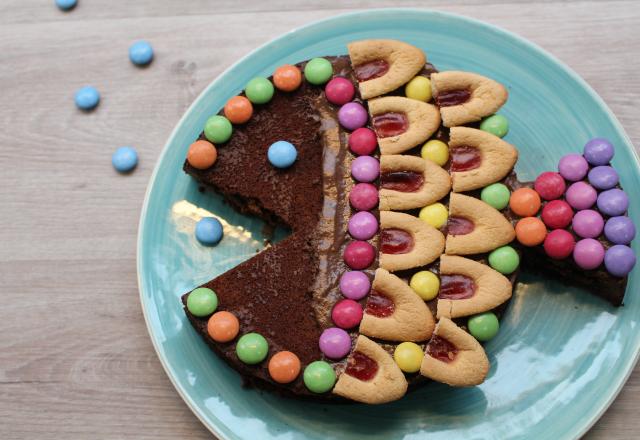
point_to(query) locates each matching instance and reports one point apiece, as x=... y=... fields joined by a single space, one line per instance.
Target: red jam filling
x=361 y=366
x=371 y=70
x=379 y=305
x=390 y=124
x=459 y=226
x=452 y=97
x=441 y=349
x=464 y=158
x=404 y=181
x=456 y=287
x=395 y=241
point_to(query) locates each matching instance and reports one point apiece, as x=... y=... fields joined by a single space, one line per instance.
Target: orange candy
x=531 y=231
x=238 y=110
x=287 y=78
x=223 y=326
x=284 y=367
x=202 y=154
x=525 y=202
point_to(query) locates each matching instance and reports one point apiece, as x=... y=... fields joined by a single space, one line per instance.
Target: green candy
x=318 y=71
x=202 y=302
x=504 y=259
x=259 y=90
x=252 y=348
x=496 y=195
x=319 y=377
x=495 y=124
x=483 y=327
x=218 y=129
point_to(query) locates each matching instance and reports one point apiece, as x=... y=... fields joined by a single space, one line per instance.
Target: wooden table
x=75 y=358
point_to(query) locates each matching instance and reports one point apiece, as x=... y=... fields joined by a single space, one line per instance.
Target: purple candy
x=613 y=202
x=581 y=195
x=364 y=196
x=335 y=343
x=352 y=115
x=573 y=167
x=619 y=260
x=598 y=151
x=588 y=253
x=603 y=177
x=365 y=168
x=620 y=230
x=355 y=285
x=363 y=225
x=587 y=223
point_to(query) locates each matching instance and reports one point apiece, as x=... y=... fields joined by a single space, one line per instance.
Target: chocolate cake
x=402 y=256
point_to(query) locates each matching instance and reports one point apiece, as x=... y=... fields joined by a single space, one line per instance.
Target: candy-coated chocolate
x=355 y=284
x=218 y=129
x=66 y=5
x=359 y=255
x=603 y=177
x=365 y=168
x=505 y=259
x=613 y=202
x=282 y=154
x=352 y=115
x=620 y=230
x=419 y=88
x=573 y=167
x=124 y=159
x=550 y=185
x=587 y=223
x=363 y=225
x=436 y=215
x=363 y=196
x=141 y=53
x=252 y=348
x=588 y=253
x=496 y=195
x=287 y=78
x=259 y=90
x=497 y=125
x=284 y=367
x=436 y=151
x=346 y=313
x=209 y=231
x=202 y=302
x=530 y=231
x=339 y=90
x=408 y=356
x=363 y=141
x=87 y=98
x=581 y=195
x=619 y=260
x=318 y=71
x=598 y=151
x=319 y=377
x=484 y=326
x=559 y=244
x=557 y=214
x=238 y=110
x=335 y=343
x=223 y=326
x=202 y=154
x=525 y=202
x=426 y=284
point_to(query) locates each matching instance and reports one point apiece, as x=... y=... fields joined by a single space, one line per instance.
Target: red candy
x=363 y=141
x=559 y=244
x=339 y=91
x=557 y=214
x=364 y=196
x=359 y=255
x=550 y=185
x=346 y=313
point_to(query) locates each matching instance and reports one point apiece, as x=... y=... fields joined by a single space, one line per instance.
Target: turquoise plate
x=561 y=355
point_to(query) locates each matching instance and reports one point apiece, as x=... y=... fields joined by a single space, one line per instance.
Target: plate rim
x=585 y=426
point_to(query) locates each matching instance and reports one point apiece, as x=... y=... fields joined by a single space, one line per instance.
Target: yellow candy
x=408 y=356
x=436 y=151
x=419 y=88
x=426 y=284
x=436 y=215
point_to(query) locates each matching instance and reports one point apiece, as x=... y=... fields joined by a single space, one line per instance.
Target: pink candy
x=363 y=141
x=363 y=225
x=352 y=115
x=364 y=196
x=346 y=313
x=581 y=195
x=359 y=255
x=339 y=91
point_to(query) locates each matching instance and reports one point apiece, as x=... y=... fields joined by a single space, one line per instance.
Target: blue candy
x=87 y=98
x=124 y=159
x=140 y=53
x=282 y=154
x=209 y=231
x=66 y=5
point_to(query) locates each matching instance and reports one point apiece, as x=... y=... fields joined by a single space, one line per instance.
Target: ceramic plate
x=561 y=355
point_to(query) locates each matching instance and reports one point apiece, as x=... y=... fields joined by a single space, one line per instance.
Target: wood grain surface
x=75 y=358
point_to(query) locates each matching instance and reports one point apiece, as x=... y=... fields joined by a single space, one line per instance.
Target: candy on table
x=141 y=53
x=426 y=284
x=363 y=225
x=496 y=195
x=218 y=129
x=238 y=110
x=284 y=367
x=202 y=154
x=588 y=253
x=352 y=115
x=619 y=260
x=335 y=343
x=359 y=255
x=603 y=177
x=66 y=5
x=282 y=154
x=530 y=231
x=557 y=214
x=484 y=326
x=259 y=90
x=252 y=348
x=408 y=356
x=435 y=151
x=598 y=151
x=202 y=302
x=573 y=167
x=419 y=88
x=87 y=98
x=559 y=244
x=497 y=125
x=525 y=202
x=550 y=185
x=363 y=141
x=587 y=223
x=435 y=215
x=505 y=260
x=319 y=377
x=318 y=71
x=223 y=326
x=620 y=230
x=287 y=78
x=581 y=195
x=346 y=313
x=124 y=159
x=365 y=169
x=339 y=90
x=363 y=196
x=613 y=202
x=355 y=285
x=209 y=231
